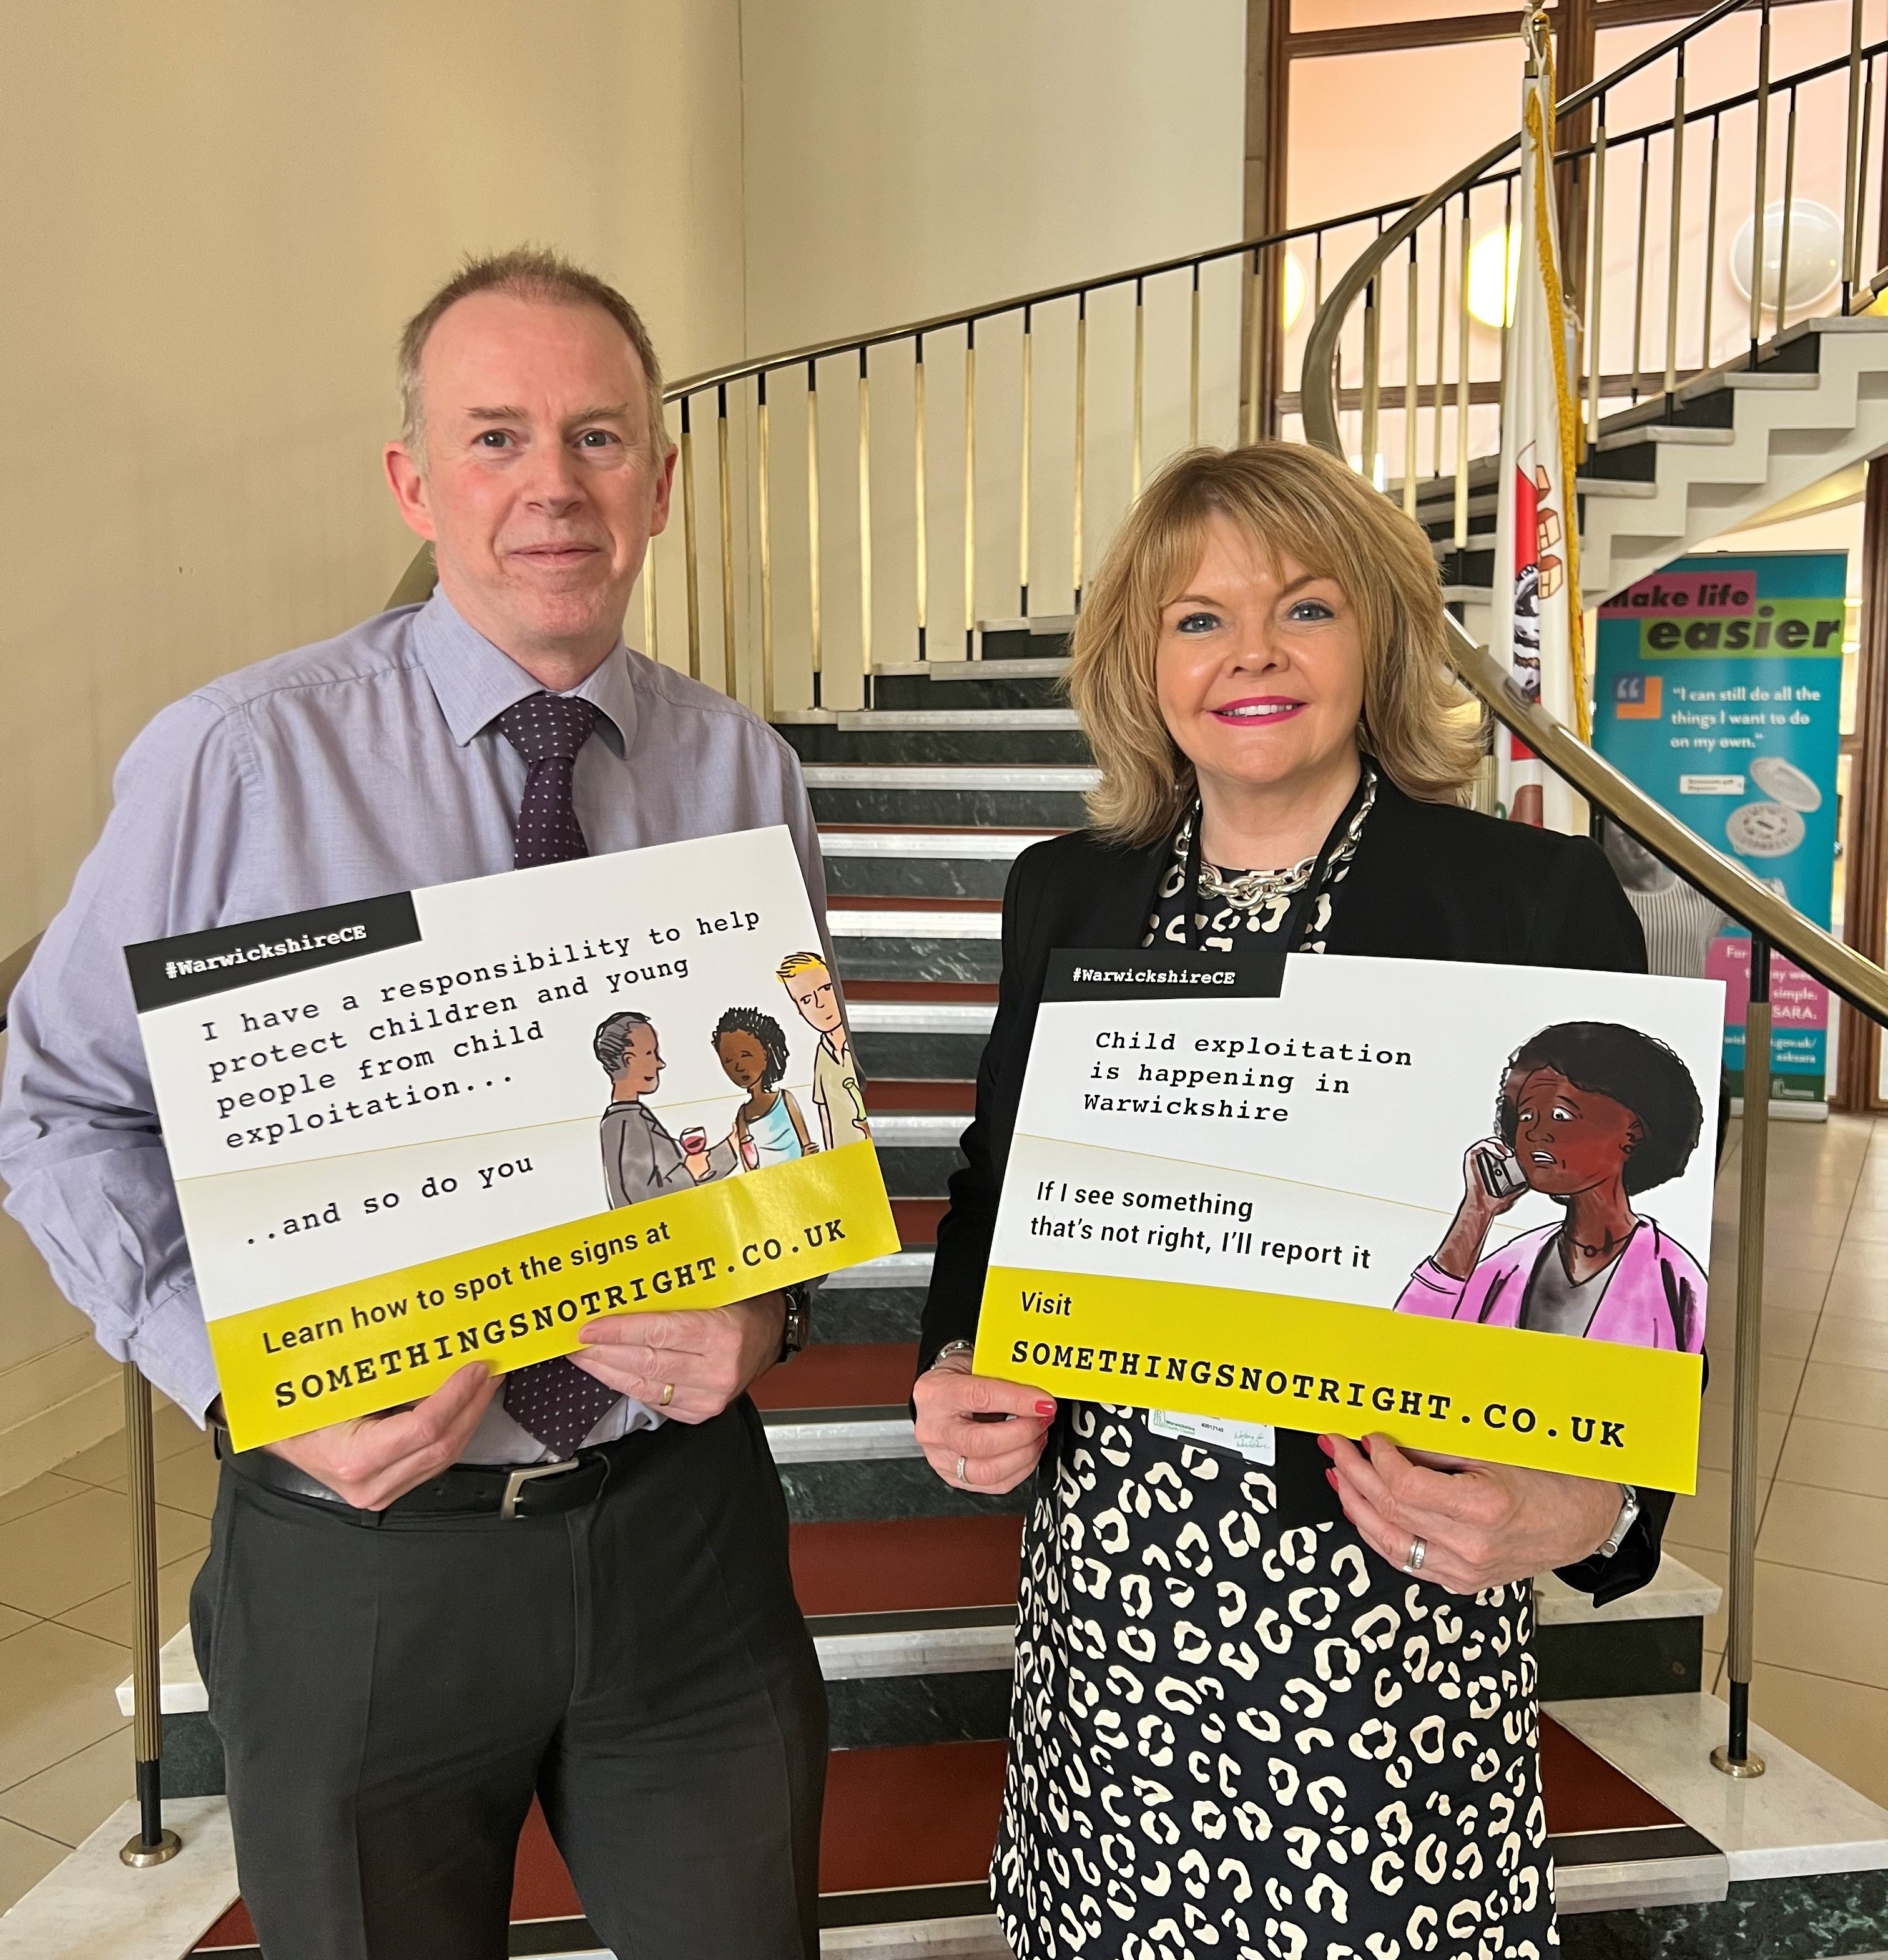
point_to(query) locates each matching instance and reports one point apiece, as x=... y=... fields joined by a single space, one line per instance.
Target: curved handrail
x=1753 y=905
x=1317 y=381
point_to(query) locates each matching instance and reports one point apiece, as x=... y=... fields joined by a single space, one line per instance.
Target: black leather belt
x=467 y=1489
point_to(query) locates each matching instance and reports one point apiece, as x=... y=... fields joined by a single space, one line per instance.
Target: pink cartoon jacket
x=1654 y=1298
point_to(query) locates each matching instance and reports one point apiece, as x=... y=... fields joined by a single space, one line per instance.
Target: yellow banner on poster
x=1589 y=1408
x=322 y=1357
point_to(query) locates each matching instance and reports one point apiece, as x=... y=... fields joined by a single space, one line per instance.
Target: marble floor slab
x=1794 y=1820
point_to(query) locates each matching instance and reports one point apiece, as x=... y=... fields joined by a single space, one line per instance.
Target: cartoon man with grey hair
x=641 y=1159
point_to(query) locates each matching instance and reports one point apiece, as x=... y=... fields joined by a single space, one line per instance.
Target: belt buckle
x=516 y=1481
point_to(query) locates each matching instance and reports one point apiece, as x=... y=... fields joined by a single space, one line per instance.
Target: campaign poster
x=1718 y=690
x=1466 y=1205
x=458 y=1124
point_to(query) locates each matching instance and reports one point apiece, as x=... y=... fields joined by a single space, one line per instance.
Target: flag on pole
x=1536 y=625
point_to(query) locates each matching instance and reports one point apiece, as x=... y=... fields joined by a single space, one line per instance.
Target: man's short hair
x=527 y=272
x=612 y=1044
x=798 y=962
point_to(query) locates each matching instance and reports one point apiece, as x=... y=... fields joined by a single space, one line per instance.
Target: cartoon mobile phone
x=1500 y=1171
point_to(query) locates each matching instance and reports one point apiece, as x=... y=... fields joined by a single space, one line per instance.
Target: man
x=571 y=1581
x=836 y=1089
x=641 y=1159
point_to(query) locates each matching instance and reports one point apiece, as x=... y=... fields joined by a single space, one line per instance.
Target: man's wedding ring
x=1418 y=1551
x=668 y=1395
x=961 y=1477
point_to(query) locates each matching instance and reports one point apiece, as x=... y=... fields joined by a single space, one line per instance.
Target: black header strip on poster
x=1165 y=973
x=166 y=971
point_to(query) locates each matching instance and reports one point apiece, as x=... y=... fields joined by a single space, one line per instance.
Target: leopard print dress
x=1238 y=1734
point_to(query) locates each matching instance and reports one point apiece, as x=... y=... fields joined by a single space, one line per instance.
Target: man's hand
x=708 y=1358
x=372 y=1460
x=995 y=1429
x=1484 y=1524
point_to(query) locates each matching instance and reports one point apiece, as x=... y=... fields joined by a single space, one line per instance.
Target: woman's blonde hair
x=1290 y=498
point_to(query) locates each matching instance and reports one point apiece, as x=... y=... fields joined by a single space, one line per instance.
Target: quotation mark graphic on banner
x=1638 y=697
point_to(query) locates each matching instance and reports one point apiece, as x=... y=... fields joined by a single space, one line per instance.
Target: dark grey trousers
x=390 y=1695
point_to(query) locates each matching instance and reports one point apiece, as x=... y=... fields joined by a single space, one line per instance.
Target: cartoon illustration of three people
x=641 y=1159
x=1590 y=1114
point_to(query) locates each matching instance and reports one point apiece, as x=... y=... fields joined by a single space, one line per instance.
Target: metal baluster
x=1022 y=517
x=1594 y=361
x=728 y=546
x=1140 y=370
x=1507 y=298
x=1762 y=164
x=152 y=1845
x=1442 y=328
x=865 y=530
x=812 y=524
x=1789 y=197
x=689 y=563
x=1411 y=387
x=1252 y=326
x=1462 y=382
x=1192 y=385
x=1373 y=343
x=970 y=488
x=1638 y=269
x=1861 y=194
x=649 y=603
x=1733 y=1755
x=1852 y=181
x=921 y=565
x=1672 y=229
x=1082 y=443
x=1710 y=280
x=761 y=460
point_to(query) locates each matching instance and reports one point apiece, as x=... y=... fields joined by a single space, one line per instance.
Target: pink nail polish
x=1330 y=1477
x=1045 y=1408
x=1329 y=1449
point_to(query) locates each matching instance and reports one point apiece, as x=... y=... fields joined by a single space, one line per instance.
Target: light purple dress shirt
x=362 y=764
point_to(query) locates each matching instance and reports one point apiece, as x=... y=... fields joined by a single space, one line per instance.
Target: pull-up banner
x=459 y=1124
x=1468 y=1206
x=1719 y=693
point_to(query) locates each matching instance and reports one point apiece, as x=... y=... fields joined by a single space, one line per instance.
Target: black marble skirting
x=918 y=1170
x=821 y=742
x=917 y=1057
x=856 y=1314
x=916 y=878
x=915 y=958
x=1006 y=810
x=994 y=690
x=892 y=1487
x=1830 y=1915
x=885 y=1710
x=1581 y=1663
x=192 y=1757
x=1021 y=644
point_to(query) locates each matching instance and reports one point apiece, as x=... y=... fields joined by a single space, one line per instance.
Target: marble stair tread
x=914 y=918
x=905 y=1269
x=871 y=720
x=1073 y=777
x=920 y=993
x=1795 y=1821
x=91 y=1906
x=1674 y=1593
x=866 y=1375
x=929 y=840
x=932 y=1130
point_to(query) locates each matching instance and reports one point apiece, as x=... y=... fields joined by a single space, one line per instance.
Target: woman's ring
x=668 y=1395
x=961 y=1477
x=1418 y=1551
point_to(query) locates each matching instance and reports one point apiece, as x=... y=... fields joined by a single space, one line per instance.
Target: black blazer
x=1428 y=882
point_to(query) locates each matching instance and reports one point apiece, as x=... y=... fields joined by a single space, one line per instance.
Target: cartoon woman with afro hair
x=1590 y=1114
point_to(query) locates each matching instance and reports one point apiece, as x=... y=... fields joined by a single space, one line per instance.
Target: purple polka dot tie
x=555 y=1401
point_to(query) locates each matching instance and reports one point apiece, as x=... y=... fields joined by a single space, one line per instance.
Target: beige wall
x=216 y=217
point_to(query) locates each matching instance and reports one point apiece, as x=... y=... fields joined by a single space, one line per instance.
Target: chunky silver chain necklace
x=1239 y=891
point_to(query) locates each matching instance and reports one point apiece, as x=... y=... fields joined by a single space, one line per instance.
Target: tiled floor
x=1820 y=1681
x=1820 y=1678
x=64 y=1634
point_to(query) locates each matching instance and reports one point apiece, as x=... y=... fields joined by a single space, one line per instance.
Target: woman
x=1590 y=1114
x=768 y=1127
x=1240 y=1725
